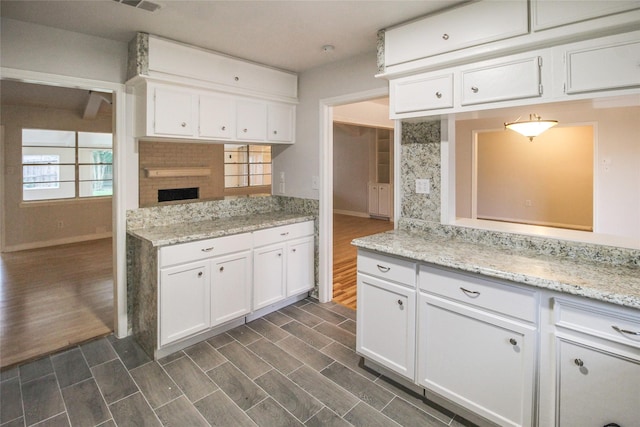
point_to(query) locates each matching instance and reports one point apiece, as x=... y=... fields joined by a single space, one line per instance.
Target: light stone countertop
x=604 y=282
x=192 y=231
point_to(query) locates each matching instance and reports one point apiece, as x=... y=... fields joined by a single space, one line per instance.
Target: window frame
x=249 y=188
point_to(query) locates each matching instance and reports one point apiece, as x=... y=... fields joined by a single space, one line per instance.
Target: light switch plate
x=423 y=186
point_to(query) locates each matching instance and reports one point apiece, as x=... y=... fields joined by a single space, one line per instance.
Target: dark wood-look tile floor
x=294 y=367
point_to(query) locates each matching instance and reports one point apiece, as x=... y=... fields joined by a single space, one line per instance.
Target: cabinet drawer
x=502 y=81
x=269 y=236
x=420 y=93
x=192 y=251
x=604 y=67
x=505 y=299
x=593 y=319
x=388 y=268
x=469 y=25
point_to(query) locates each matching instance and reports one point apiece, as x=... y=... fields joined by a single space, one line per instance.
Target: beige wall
x=35 y=224
x=172 y=154
x=616 y=183
x=545 y=182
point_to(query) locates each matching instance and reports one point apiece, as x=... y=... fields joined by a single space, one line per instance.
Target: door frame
x=325 y=261
x=120 y=324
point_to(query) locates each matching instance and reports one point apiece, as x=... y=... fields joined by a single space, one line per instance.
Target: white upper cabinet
x=503 y=81
x=217 y=116
x=469 y=25
x=174 y=112
x=603 y=66
x=251 y=124
x=553 y=13
x=280 y=120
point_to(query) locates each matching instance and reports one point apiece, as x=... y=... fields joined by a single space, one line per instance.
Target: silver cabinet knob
x=183 y=124
x=445 y=36
x=244 y=130
x=400 y=303
x=513 y=341
x=578 y=362
x=293 y=250
x=221 y=269
x=275 y=132
x=236 y=78
x=474 y=89
x=200 y=274
x=224 y=128
x=438 y=95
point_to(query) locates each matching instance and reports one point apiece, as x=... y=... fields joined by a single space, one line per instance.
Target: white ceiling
x=283 y=34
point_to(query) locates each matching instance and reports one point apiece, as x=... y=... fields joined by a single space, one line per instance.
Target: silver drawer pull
x=183 y=124
x=445 y=36
x=400 y=303
x=207 y=249
x=438 y=95
x=383 y=268
x=513 y=341
x=284 y=234
x=472 y=294
x=221 y=269
x=578 y=362
x=474 y=89
x=200 y=274
x=625 y=331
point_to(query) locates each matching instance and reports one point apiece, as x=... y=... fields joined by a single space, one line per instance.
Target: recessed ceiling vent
x=140 y=4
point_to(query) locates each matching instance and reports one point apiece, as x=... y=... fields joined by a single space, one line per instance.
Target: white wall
x=33 y=47
x=301 y=161
x=352 y=146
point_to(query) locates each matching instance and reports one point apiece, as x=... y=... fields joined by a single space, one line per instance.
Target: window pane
x=260 y=180
x=50 y=138
x=260 y=169
x=64 y=190
x=96 y=140
x=44 y=155
x=235 y=181
x=235 y=154
x=32 y=175
x=96 y=188
x=93 y=155
x=95 y=172
x=236 y=169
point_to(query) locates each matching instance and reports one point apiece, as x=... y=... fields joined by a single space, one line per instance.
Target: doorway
x=58 y=265
x=359 y=124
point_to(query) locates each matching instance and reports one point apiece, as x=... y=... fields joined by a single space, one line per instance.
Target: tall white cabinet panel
x=280 y=121
x=502 y=81
x=217 y=117
x=596 y=386
x=612 y=66
x=473 y=24
x=480 y=361
x=230 y=287
x=184 y=301
x=251 y=121
x=386 y=324
x=380 y=200
x=269 y=275
x=174 y=112
x=300 y=269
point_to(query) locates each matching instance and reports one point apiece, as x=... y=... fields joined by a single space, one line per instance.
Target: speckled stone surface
x=380 y=51
x=191 y=231
x=617 y=284
x=138 y=56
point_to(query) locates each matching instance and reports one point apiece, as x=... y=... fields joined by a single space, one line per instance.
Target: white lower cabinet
x=283 y=263
x=380 y=200
x=184 y=301
x=478 y=360
x=230 y=287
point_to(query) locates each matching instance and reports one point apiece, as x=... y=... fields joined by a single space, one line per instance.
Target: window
x=66 y=164
x=247 y=166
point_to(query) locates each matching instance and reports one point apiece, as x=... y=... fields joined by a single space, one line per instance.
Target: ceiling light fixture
x=328 y=48
x=532 y=127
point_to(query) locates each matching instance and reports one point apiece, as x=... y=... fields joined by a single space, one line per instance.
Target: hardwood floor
x=52 y=298
x=345 y=229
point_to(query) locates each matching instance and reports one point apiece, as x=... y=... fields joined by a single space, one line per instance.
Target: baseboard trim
x=351 y=213
x=57 y=242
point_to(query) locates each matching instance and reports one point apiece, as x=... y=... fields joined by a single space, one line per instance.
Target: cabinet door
x=184 y=301
x=373 y=199
x=174 y=112
x=596 y=386
x=502 y=81
x=280 y=122
x=421 y=93
x=384 y=200
x=549 y=14
x=604 y=67
x=217 y=117
x=268 y=275
x=230 y=287
x=386 y=324
x=480 y=361
x=251 y=120
x=300 y=266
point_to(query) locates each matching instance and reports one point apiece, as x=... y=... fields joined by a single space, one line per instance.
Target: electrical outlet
x=423 y=186
x=281 y=188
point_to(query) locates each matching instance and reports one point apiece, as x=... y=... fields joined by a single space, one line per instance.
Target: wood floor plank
x=52 y=298
x=345 y=229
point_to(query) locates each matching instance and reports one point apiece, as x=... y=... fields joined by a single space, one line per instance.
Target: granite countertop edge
x=612 y=284
x=193 y=231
